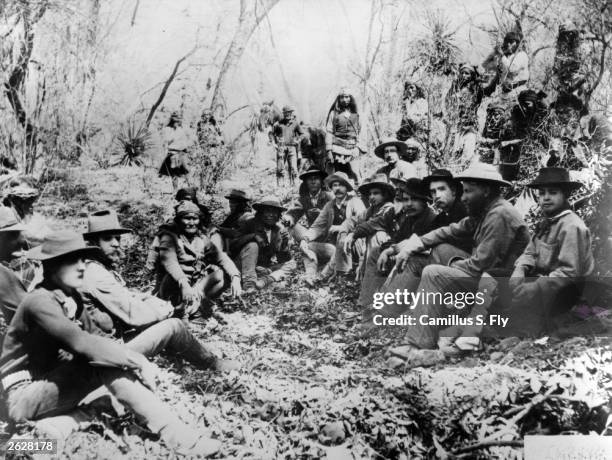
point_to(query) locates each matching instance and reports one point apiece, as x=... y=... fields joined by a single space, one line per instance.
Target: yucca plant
x=437 y=50
x=133 y=140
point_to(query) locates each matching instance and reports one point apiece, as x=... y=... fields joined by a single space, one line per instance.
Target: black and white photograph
x=306 y=229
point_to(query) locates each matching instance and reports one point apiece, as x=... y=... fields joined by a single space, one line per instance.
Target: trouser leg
x=248 y=261
x=436 y=281
x=174 y=336
x=297 y=232
x=63 y=388
x=280 y=162
x=324 y=253
x=372 y=279
x=344 y=259
x=292 y=162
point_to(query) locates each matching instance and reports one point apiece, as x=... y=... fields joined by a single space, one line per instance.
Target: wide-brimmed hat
x=312 y=171
x=288 y=108
x=269 y=202
x=8 y=221
x=339 y=177
x=61 y=243
x=402 y=148
x=413 y=186
x=237 y=194
x=554 y=177
x=22 y=187
x=377 y=181
x=101 y=222
x=439 y=174
x=483 y=172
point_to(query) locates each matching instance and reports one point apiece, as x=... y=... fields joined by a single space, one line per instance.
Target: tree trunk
x=248 y=21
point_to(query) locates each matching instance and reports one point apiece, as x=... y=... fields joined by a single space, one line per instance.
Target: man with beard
x=324 y=241
x=410 y=215
x=446 y=193
x=380 y=193
x=312 y=198
x=391 y=150
x=15 y=275
x=499 y=234
x=141 y=320
x=262 y=246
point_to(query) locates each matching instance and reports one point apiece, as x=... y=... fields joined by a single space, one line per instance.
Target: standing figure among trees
x=461 y=104
x=343 y=140
x=414 y=113
x=208 y=131
x=176 y=143
x=286 y=135
x=512 y=68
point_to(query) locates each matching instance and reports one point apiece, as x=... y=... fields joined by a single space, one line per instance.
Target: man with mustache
x=262 y=246
x=409 y=215
x=141 y=320
x=391 y=150
x=499 y=234
x=324 y=241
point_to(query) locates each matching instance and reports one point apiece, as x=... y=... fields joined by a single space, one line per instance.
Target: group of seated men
x=73 y=325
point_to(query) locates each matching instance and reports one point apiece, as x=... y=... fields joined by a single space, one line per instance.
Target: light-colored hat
x=62 y=243
x=339 y=177
x=8 y=221
x=402 y=148
x=483 y=172
x=377 y=181
x=104 y=222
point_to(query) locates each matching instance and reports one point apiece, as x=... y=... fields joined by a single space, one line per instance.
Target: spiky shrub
x=437 y=51
x=133 y=140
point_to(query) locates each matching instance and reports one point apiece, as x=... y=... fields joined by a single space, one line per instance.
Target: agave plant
x=133 y=140
x=437 y=50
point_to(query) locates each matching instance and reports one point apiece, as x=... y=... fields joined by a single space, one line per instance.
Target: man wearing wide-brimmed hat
x=13 y=279
x=409 y=216
x=142 y=320
x=311 y=200
x=391 y=150
x=499 y=234
x=239 y=202
x=323 y=243
x=286 y=135
x=559 y=255
x=37 y=379
x=262 y=246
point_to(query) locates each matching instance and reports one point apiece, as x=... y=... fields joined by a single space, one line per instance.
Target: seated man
x=50 y=359
x=324 y=241
x=15 y=275
x=499 y=234
x=312 y=198
x=409 y=216
x=547 y=274
x=142 y=320
x=193 y=267
x=380 y=195
x=446 y=194
x=391 y=150
x=263 y=243
x=240 y=208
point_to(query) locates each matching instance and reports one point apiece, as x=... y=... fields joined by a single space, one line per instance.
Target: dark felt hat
x=62 y=243
x=312 y=171
x=413 y=186
x=554 y=177
x=269 y=202
x=237 y=194
x=439 y=174
x=101 y=222
x=377 y=181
